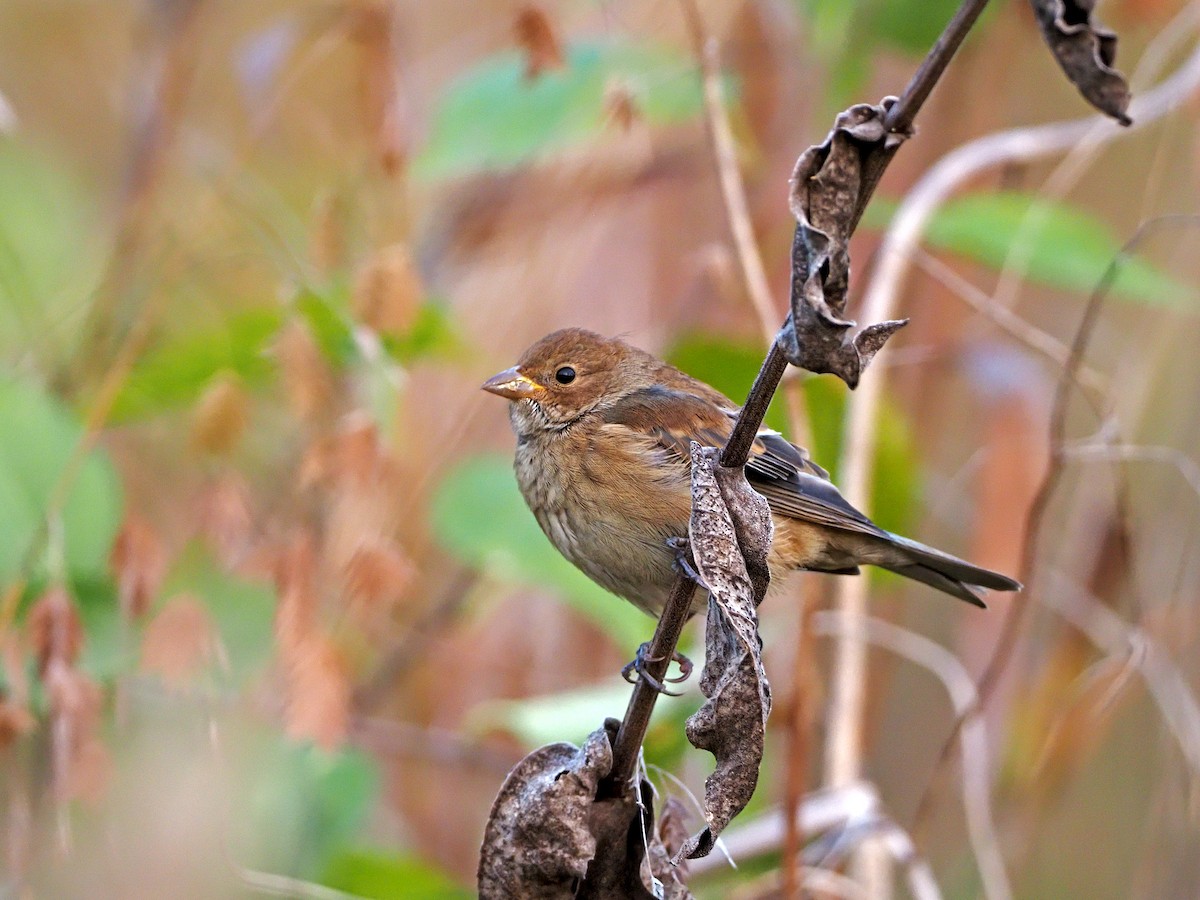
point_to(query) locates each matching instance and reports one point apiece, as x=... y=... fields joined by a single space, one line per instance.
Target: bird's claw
x=635 y=670
x=683 y=563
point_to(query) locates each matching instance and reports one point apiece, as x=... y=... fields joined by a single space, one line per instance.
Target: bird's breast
x=607 y=512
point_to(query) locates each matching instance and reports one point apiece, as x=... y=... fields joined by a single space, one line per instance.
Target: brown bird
x=603 y=431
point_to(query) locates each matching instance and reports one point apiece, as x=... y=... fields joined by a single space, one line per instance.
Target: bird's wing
x=793 y=484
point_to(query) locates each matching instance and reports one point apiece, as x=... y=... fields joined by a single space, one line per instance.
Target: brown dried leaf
x=536 y=36
x=375 y=577
x=388 y=291
x=730 y=534
x=226 y=520
x=538 y=840
x=327 y=245
x=78 y=759
x=55 y=630
x=15 y=721
x=306 y=375
x=319 y=694
x=180 y=641
x=139 y=562
x=1086 y=52
x=295 y=585
x=825 y=189
x=620 y=108
x=373 y=27
x=671 y=835
x=221 y=416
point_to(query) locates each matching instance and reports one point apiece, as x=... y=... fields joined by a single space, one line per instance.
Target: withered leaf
x=538 y=840
x=536 y=36
x=730 y=533
x=670 y=837
x=179 y=641
x=1086 y=52
x=825 y=189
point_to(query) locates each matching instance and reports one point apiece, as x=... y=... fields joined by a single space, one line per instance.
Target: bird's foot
x=636 y=670
x=683 y=562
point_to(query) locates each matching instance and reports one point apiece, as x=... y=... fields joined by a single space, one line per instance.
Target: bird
x=602 y=459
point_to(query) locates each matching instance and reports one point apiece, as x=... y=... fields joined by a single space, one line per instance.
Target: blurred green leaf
x=895 y=489
x=1071 y=249
x=243 y=610
x=566 y=716
x=37 y=442
x=328 y=315
x=729 y=366
x=479 y=515
x=910 y=26
x=492 y=118
x=303 y=803
x=573 y=715
x=47 y=262
x=432 y=334
x=378 y=875
x=174 y=374
x=108 y=649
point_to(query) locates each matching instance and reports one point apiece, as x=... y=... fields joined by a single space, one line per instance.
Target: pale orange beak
x=512 y=384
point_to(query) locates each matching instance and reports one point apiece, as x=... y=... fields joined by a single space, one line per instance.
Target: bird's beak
x=512 y=384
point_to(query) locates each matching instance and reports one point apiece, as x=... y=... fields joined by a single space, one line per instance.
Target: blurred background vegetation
x=272 y=613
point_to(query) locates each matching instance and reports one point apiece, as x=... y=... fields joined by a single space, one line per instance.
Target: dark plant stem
x=628 y=742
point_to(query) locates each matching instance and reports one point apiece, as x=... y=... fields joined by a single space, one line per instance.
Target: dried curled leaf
x=825 y=189
x=538 y=840
x=730 y=533
x=1086 y=52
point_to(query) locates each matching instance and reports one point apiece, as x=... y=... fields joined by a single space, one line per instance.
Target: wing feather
x=793 y=484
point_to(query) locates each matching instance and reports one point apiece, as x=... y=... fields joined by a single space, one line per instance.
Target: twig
x=976 y=772
x=1029 y=335
x=1058 y=426
x=733 y=192
x=1164 y=681
x=1035 y=520
x=286 y=886
x=843 y=817
x=1172 y=456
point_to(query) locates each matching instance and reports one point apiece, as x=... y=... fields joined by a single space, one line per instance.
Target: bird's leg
x=641 y=660
x=683 y=562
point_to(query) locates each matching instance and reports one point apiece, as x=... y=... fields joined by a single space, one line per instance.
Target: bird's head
x=568 y=374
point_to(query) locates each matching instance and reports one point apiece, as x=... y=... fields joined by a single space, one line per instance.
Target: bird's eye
x=565 y=375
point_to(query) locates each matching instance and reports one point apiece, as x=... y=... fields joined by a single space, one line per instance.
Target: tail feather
x=947 y=573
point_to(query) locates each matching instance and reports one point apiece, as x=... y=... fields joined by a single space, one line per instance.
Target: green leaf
x=47 y=263
x=432 y=335
x=1071 y=249
x=108 y=649
x=479 y=515
x=910 y=26
x=302 y=803
x=492 y=118
x=378 y=875
x=328 y=315
x=243 y=610
x=566 y=716
x=174 y=374
x=37 y=442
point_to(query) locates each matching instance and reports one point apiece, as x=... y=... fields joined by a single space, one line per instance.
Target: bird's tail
x=940 y=570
